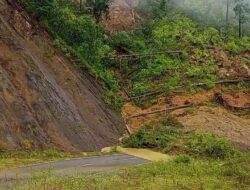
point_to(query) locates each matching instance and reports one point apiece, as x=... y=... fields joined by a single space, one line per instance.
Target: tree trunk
x=168 y=7
x=240 y=30
x=80 y=5
x=227 y=14
x=240 y=24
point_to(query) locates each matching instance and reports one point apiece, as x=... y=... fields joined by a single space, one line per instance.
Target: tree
x=160 y=8
x=241 y=10
x=80 y=5
x=99 y=8
x=42 y=7
x=227 y=13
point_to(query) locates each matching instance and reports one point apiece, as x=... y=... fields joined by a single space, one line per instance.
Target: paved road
x=71 y=166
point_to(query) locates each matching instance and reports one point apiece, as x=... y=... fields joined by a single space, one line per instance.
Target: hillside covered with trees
x=80 y=36
x=178 y=71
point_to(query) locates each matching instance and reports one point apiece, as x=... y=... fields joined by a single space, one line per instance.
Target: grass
x=19 y=158
x=196 y=174
x=200 y=162
x=167 y=136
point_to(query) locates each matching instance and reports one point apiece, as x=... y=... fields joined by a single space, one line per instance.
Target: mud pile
x=122 y=15
x=231 y=121
x=45 y=101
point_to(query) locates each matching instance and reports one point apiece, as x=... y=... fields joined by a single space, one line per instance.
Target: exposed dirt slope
x=220 y=122
x=122 y=15
x=202 y=117
x=44 y=99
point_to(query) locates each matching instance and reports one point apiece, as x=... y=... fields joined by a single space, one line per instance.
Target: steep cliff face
x=44 y=99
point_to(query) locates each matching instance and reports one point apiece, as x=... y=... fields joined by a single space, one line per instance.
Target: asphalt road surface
x=70 y=167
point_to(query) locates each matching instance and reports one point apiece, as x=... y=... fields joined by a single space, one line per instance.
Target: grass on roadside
x=168 y=136
x=195 y=174
x=23 y=157
x=202 y=162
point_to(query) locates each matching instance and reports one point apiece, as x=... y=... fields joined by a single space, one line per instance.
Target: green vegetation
x=23 y=157
x=242 y=10
x=98 y=8
x=223 y=14
x=182 y=173
x=201 y=161
x=80 y=36
x=167 y=136
x=17 y=158
x=169 y=72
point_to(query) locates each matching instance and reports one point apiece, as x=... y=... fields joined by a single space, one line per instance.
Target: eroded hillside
x=122 y=15
x=44 y=99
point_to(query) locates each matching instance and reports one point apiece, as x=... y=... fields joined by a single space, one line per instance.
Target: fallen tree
x=220 y=99
x=162 y=110
x=159 y=91
x=136 y=55
x=234 y=81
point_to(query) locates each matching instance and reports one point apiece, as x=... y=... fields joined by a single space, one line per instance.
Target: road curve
x=70 y=167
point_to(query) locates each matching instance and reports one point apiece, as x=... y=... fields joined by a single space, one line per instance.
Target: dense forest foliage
x=192 y=27
x=217 y=13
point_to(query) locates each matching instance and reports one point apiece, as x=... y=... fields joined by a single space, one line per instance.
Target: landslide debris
x=122 y=15
x=206 y=114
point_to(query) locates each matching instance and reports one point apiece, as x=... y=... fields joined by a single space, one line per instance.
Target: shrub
x=158 y=137
x=209 y=145
x=171 y=121
x=114 y=99
x=185 y=159
x=140 y=88
x=40 y=8
x=167 y=136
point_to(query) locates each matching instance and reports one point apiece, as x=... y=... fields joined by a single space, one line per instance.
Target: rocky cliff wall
x=45 y=100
